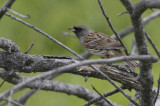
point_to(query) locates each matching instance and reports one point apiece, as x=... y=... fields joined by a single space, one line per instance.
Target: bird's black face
x=79 y=30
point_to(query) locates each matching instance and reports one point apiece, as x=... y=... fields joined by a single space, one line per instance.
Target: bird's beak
x=72 y=29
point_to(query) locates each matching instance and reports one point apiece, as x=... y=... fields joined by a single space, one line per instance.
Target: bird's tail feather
x=132 y=64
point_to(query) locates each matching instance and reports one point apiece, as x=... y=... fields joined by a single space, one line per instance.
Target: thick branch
x=62 y=69
x=40 y=63
x=8 y=45
x=37 y=63
x=32 y=63
x=143 y=5
x=146 y=78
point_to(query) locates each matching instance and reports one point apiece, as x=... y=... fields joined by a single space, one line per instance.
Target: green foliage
x=56 y=16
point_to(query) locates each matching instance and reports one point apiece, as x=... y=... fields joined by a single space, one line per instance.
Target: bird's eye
x=77 y=28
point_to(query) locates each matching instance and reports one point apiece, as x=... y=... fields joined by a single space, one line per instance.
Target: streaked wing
x=98 y=40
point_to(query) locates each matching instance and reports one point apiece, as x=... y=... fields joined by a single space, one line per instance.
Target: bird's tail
x=132 y=64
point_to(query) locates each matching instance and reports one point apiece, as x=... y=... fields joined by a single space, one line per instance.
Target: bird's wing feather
x=98 y=40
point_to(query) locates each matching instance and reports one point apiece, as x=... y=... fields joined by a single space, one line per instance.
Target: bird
x=100 y=44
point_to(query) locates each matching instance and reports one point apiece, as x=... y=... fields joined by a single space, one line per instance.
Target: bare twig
x=122 y=13
x=94 y=100
x=3 y=10
x=29 y=48
x=13 y=102
x=85 y=55
x=10 y=97
x=107 y=18
x=16 y=13
x=2 y=83
x=129 y=29
x=157 y=90
x=23 y=99
x=153 y=45
x=102 y=96
x=10 y=72
x=135 y=98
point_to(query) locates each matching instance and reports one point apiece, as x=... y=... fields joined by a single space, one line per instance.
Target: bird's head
x=80 y=30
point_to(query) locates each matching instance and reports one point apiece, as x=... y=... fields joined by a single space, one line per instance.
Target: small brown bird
x=100 y=44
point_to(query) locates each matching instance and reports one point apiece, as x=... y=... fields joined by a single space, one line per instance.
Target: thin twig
x=10 y=72
x=2 y=83
x=122 y=13
x=135 y=98
x=102 y=96
x=13 y=102
x=129 y=29
x=10 y=98
x=107 y=18
x=18 y=14
x=85 y=55
x=3 y=10
x=153 y=45
x=94 y=100
x=157 y=90
x=29 y=48
x=23 y=99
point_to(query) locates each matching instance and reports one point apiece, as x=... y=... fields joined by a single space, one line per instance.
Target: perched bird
x=100 y=44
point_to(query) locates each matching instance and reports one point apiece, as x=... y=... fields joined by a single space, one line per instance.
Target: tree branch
x=107 y=18
x=56 y=86
x=23 y=99
x=130 y=29
x=41 y=63
x=143 y=5
x=8 y=45
x=146 y=78
x=3 y=10
x=153 y=45
x=13 y=102
x=94 y=100
x=108 y=101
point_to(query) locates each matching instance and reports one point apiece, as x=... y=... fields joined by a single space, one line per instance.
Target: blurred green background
x=55 y=17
